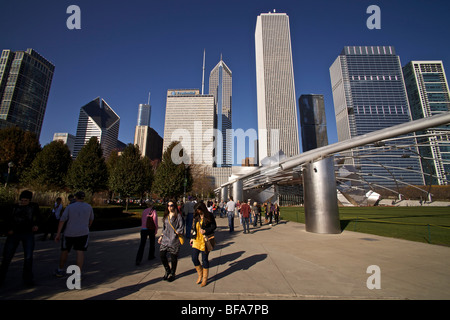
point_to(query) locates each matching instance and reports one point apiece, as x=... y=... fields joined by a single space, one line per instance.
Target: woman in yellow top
x=203 y=226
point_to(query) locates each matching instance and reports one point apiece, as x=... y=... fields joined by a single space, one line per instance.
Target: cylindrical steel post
x=224 y=193
x=321 y=205
x=238 y=190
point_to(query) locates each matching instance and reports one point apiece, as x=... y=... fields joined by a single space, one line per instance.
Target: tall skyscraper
x=190 y=119
x=220 y=86
x=97 y=119
x=369 y=94
x=275 y=87
x=313 y=121
x=428 y=94
x=144 y=115
x=25 y=80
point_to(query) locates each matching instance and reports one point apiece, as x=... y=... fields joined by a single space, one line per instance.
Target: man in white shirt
x=79 y=216
x=230 y=207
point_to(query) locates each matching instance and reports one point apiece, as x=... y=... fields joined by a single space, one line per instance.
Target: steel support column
x=321 y=205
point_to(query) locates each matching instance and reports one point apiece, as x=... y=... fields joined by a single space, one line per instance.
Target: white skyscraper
x=190 y=120
x=277 y=112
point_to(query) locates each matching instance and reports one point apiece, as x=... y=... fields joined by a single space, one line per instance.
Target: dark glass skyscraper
x=428 y=95
x=369 y=94
x=25 y=79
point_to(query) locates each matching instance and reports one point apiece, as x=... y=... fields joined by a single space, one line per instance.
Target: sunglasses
x=171 y=205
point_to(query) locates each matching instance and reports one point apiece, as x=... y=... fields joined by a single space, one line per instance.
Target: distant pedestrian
x=169 y=240
x=189 y=215
x=149 y=229
x=256 y=211
x=203 y=227
x=230 y=207
x=79 y=216
x=51 y=225
x=245 y=213
x=276 y=212
x=21 y=225
x=269 y=212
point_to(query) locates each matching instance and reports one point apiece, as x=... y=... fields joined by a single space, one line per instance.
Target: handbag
x=210 y=242
x=180 y=236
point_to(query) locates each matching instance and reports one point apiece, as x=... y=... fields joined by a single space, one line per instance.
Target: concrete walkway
x=282 y=262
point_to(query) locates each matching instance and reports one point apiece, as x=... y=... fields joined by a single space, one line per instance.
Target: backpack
x=150 y=223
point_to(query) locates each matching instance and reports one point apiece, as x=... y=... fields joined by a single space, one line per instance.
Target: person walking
x=189 y=214
x=270 y=212
x=203 y=227
x=245 y=213
x=230 y=207
x=79 y=216
x=256 y=211
x=169 y=240
x=276 y=212
x=21 y=224
x=149 y=229
x=51 y=225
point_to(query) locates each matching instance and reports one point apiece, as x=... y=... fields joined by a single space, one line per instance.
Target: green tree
x=170 y=177
x=130 y=174
x=88 y=171
x=19 y=147
x=49 y=169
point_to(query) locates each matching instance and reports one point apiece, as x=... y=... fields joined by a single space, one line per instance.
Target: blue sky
x=127 y=48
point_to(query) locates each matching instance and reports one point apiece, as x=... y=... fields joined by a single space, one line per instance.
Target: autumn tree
x=18 y=147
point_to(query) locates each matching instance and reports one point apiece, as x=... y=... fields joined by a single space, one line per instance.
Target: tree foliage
x=49 y=169
x=170 y=177
x=129 y=173
x=19 y=147
x=88 y=171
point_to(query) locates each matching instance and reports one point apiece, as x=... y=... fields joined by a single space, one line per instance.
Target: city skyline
x=122 y=51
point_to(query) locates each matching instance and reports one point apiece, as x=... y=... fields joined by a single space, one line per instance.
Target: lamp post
x=10 y=165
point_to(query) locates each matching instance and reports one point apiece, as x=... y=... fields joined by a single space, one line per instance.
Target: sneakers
x=59 y=273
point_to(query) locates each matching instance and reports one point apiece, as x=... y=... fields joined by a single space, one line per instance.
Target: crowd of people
x=193 y=222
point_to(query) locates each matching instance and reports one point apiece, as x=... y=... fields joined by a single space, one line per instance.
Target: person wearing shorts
x=77 y=219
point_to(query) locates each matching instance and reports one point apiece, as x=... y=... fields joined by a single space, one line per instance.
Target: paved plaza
x=280 y=262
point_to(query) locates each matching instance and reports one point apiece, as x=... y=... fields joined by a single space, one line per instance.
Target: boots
x=205 y=277
x=200 y=273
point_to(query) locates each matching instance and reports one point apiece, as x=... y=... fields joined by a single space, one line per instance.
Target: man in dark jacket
x=21 y=224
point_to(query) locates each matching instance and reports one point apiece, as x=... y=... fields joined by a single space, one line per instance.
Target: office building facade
x=149 y=141
x=220 y=86
x=190 y=119
x=97 y=119
x=313 y=121
x=369 y=94
x=67 y=138
x=25 y=80
x=276 y=102
x=428 y=95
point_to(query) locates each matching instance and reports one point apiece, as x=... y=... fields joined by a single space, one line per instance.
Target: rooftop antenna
x=203 y=75
x=148 y=98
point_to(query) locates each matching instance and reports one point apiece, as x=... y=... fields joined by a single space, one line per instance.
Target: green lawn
x=423 y=224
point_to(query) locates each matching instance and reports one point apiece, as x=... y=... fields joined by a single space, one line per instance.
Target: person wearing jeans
x=230 y=207
x=21 y=224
